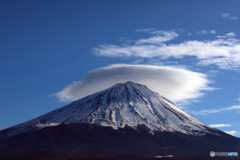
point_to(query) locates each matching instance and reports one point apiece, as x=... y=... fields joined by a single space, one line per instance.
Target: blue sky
x=47 y=45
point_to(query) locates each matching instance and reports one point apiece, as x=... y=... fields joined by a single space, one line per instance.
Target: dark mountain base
x=91 y=141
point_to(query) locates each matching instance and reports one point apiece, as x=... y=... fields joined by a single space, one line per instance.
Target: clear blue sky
x=46 y=45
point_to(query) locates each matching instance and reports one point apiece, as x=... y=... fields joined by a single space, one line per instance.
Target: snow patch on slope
x=42 y=125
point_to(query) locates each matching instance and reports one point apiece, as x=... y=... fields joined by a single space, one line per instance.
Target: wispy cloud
x=211 y=111
x=232 y=132
x=220 y=125
x=238 y=98
x=157 y=32
x=42 y=125
x=206 y=32
x=160 y=36
x=176 y=84
x=137 y=61
x=228 y=35
x=222 y=51
x=228 y=16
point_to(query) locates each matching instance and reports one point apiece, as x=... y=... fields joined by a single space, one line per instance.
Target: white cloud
x=231 y=132
x=176 y=84
x=213 y=32
x=137 y=61
x=228 y=35
x=157 y=32
x=155 y=39
x=161 y=36
x=42 y=125
x=210 y=111
x=206 y=32
x=147 y=30
x=228 y=16
x=231 y=34
x=238 y=98
x=220 y=125
x=202 y=32
x=222 y=51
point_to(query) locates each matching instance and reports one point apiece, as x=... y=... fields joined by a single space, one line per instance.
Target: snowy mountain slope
x=122 y=104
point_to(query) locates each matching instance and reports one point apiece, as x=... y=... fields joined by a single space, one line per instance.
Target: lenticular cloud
x=176 y=84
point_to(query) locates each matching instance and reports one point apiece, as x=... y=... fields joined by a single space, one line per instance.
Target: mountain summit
x=123 y=104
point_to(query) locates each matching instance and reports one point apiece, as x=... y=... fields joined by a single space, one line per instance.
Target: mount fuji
x=122 y=104
x=126 y=111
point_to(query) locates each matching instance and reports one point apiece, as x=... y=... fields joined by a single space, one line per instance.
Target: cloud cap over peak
x=176 y=84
